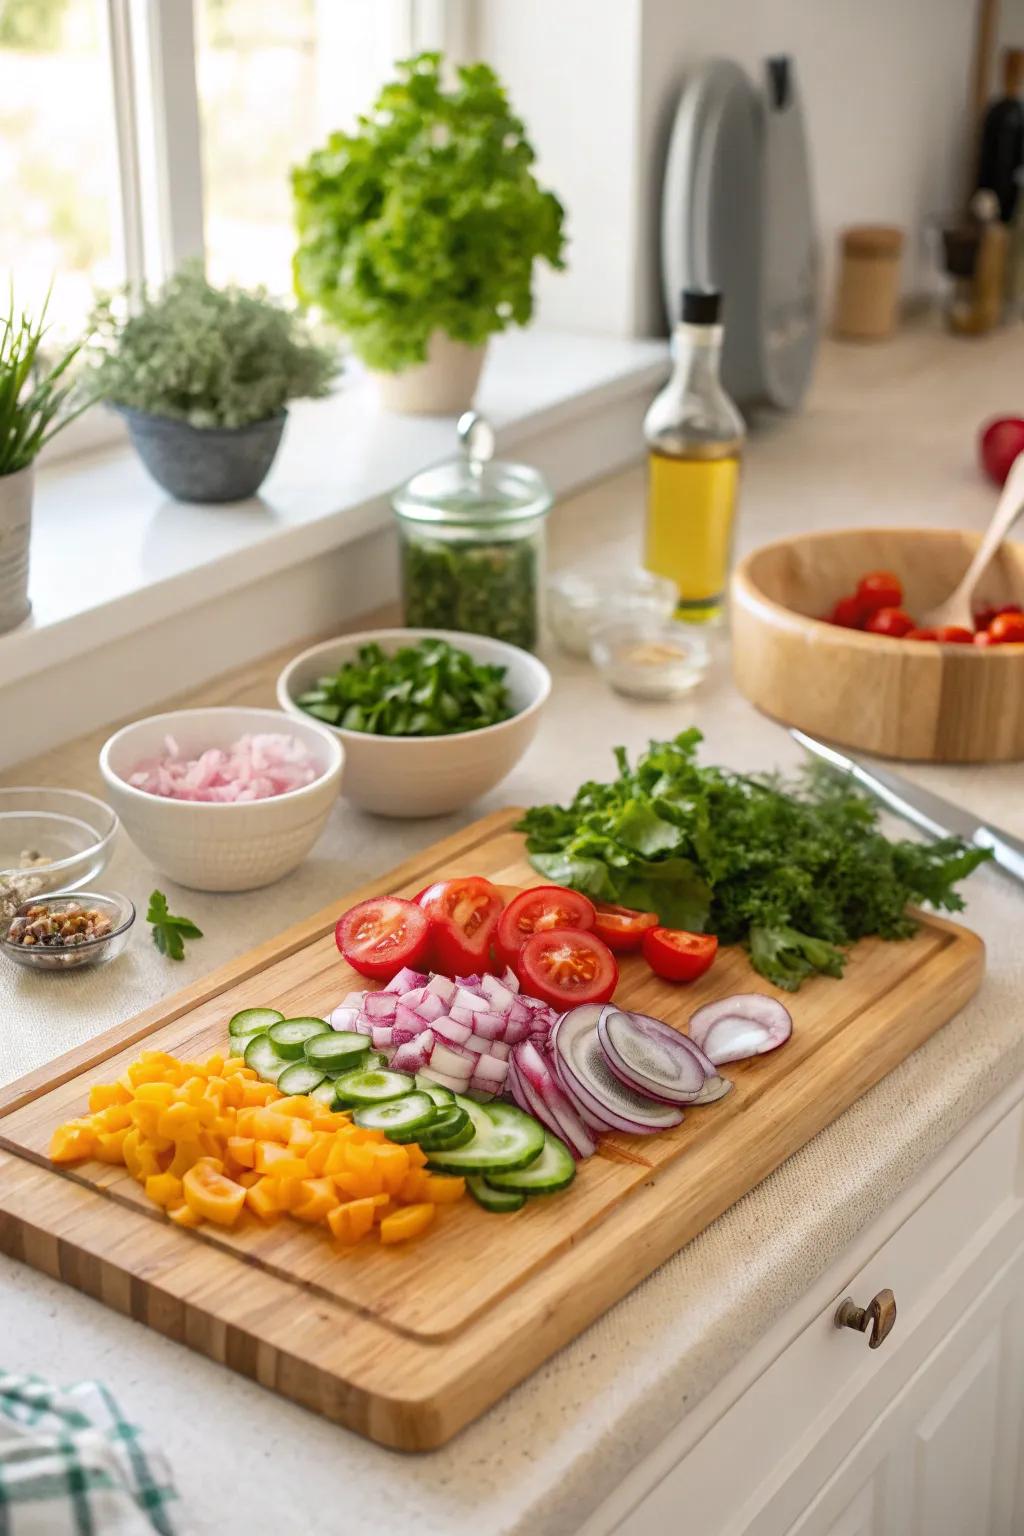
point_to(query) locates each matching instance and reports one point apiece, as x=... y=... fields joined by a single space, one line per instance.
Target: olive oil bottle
x=694 y=438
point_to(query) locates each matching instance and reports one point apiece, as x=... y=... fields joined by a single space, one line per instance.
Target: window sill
x=130 y=589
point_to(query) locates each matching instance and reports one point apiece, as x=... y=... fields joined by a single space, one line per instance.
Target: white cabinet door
x=944 y=1458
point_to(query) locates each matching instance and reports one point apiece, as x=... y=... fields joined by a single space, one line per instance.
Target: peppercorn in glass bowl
x=68 y=932
x=50 y=840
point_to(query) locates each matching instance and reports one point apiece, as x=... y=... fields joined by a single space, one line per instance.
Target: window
x=58 y=156
x=135 y=133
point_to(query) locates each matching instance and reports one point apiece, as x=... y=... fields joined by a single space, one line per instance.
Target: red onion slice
x=715 y=1088
x=585 y=1072
x=649 y=1056
x=743 y=1025
x=535 y=1073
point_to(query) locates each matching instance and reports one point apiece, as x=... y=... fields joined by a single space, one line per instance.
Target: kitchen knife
x=930 y=812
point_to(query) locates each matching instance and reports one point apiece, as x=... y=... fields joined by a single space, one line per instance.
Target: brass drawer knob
x=879 y=1315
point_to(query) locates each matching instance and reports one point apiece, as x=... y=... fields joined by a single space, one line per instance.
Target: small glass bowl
x=71 y=957
x=50 y=840
x=578 y=605
x=650 y=659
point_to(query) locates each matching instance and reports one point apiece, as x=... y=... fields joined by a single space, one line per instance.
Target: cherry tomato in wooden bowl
x=463 y=915
x=954 y=634
x=1007 y=629
x=621 y=928
x=538 y=910
x=921 y=634
x=1001 y=441
x=879 y=589
x=675 y=955
x=379 y=936
x=849 y=613
x=890 y=621
x=567 y=966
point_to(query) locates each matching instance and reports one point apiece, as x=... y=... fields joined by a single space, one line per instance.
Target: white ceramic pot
x=15 y=533
x=442 y=386
x=411 y=776
x=214 y=847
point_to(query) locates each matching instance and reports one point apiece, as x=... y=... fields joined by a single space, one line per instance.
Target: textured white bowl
x=209 y=847
x=426 y=775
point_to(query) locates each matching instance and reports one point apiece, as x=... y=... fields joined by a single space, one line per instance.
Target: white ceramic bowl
x=426 y=775
x=234 y=847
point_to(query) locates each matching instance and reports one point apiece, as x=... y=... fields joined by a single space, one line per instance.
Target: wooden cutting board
x=408 y=1344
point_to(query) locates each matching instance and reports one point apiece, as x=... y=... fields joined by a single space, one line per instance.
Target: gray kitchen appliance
x=737 y=216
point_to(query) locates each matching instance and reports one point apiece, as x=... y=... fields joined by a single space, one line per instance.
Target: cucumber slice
x=261 y=1055
x=340 y=1050
x=438 y=1092
x=239 y=1044
x=324 y=1094
x=376 y=1062
x=290 y=1035
x=300 y=1077
x=408 y=1114
x=371 y=1087
x=447 y=1129
x=493 y=1199
x=253 y=1021
x=505 y=1139
x=553 y=1170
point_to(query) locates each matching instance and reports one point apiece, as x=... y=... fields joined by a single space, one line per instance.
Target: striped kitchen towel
x=70 y=1465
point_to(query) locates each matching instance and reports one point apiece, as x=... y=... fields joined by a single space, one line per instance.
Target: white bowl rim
x=146 y=797
x=454 y=637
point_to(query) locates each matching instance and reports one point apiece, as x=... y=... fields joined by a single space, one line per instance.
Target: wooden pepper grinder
x=867 y=301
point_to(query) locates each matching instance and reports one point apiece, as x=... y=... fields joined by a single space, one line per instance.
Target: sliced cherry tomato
x=675 y=955
x=621 y=928
x=1007 y=629
x=538 y=910
x=849 y=613
x=890 y=621
x=879 y=589
x=955 y=634
x=921 y=634
x=463 y=915
x=983 y=638
x=379 y=936
x=567 y=966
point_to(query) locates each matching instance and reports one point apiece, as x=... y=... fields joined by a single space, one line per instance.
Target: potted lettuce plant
x=418 y=231
x=36 y=401
x=202 y=377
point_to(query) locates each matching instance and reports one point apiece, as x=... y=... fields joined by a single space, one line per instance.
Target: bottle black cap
x=701 y=306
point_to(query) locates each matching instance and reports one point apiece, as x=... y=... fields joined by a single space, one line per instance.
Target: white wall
x=884 y=86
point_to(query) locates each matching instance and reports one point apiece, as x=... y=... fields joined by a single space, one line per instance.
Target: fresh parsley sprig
x=169 y=931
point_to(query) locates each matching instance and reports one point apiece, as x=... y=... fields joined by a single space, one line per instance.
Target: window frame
x=151 y=55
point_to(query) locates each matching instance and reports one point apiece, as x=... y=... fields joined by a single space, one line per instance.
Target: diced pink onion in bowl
x=257 y=766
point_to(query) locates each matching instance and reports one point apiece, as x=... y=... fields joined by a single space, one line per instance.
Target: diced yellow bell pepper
x=417 y=1156
x=268 y=1125
x=302 y=1137
x=296 y=1106
x=443 y=1188
x=320 y=1197
x=178 y=1121
x=243 y=1150
x=109 y=1146
x=164 y=1189
x=103 y=1095
x=351 y=1221
x=72 y=1141
x=318 y=1152
x=186 y=1153
x=212 y=1195
x=155 y=1093
x=264 y=1199
x=393 y=1165
x=414 y=1186
x=408 y=1221
x=271 y=1157
x=185 y=1216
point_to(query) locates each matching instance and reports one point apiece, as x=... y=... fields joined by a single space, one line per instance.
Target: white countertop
x=888 y=437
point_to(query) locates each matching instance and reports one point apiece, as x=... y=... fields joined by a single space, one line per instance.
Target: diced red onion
x=455 y=1084
x=414 y=1055
x=490 y=1025
x=380 y=1005
x=450 y=1062
x=497 y=994
x=493 y=1070
x=442 y=987
x=500 y=1050
x=344 y=1017
x=448 y=1029
x=431 y=1007
x=464 y=998
x=510 y=979
x=381 y=1034
x=406 y=980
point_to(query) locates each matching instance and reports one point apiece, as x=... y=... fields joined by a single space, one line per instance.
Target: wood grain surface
x=406 y=1345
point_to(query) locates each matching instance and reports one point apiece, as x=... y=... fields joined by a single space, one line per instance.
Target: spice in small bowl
x=579 y=606
x=650 y=660
x=67 y=932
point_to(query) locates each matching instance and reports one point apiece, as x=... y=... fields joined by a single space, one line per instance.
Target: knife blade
x=929 y=812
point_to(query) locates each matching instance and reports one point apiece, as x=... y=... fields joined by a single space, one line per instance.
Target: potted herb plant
x=202 y=377
x=418 y=232
x=35 y=402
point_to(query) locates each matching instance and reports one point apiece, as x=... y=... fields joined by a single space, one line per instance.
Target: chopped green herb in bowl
x=427 y=689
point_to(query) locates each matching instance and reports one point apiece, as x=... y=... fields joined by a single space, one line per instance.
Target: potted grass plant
x=202 y=377
x=37 y=398
x=418 y=231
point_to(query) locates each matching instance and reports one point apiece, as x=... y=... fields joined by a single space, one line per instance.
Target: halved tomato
x=567 y=966
x=379 y=936
x=675 y=955
x=463 y=915
x=538 y=910
x=621 y=928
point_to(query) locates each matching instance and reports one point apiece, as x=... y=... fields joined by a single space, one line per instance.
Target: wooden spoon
x=958 y=608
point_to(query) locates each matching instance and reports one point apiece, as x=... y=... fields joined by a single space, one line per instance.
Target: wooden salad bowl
x=915 y=700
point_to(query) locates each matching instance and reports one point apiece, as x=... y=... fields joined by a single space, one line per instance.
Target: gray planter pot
x=205 y=463
x=15 y=533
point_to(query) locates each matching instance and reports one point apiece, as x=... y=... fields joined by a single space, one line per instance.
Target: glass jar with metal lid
x=472 y=542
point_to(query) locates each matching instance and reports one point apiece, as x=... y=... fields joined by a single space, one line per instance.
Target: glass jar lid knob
x=477 y=438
